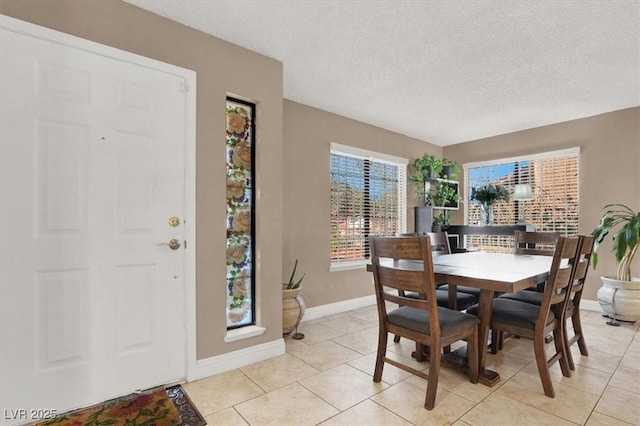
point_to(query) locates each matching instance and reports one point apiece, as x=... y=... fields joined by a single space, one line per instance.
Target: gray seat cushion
x=527 y=296
x=464 y=300
x=415 y=319
x=514 y=312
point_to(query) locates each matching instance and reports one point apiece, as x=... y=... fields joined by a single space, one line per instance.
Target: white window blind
x=367 y=198
x=554 y=180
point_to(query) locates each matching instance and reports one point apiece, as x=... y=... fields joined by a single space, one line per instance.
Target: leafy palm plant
x=625 y=241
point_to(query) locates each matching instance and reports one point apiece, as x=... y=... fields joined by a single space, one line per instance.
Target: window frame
x=373 y=156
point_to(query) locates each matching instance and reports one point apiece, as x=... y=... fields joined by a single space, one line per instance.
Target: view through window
x=553 y=178
x=367 y=198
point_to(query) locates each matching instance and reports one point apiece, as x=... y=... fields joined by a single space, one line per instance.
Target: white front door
x=92 y=170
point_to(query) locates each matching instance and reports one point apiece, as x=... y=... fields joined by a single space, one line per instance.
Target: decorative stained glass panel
x=240 y=213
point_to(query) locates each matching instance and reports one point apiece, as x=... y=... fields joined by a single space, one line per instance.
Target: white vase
x=620 y=298
x=487 y=214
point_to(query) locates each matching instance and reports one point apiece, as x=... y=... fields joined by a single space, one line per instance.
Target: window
x=553 y=178
x=368 y=197
x=240 y=277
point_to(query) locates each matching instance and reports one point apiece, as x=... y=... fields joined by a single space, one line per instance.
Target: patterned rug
x=153 y=407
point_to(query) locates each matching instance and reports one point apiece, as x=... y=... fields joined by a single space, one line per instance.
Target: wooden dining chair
x=405 y=264
x=573 y=306
x=535 y=322
x=447 y=298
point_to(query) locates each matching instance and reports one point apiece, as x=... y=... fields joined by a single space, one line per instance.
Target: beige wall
x=609 y=166
x=308 y=134
x=222 y=68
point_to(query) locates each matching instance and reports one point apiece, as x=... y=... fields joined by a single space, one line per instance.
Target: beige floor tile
x=390 y=374
x=461 y=423
x=366 y=413
x=505 y=364
x=598 y=419
x=343 y=386
x=604 y=343
x=326 y=355
x=627 y=379
x=362 y=341
x=293 y=345
x=328 y=318
x=404 y=347
x=500 y=410
x=571 y=404
x=370 y=315
x=631 y=358
x=291 y=405
x=349 y=324
x=596 y=360
x=228 y=417
x=277 y=372
x=221 y=391
x=583 y=378
x=406 y=399
x=620 y=404
x=458 y=383
x=316 y=333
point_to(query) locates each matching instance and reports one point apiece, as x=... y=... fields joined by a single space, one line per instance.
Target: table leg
x=485 y=310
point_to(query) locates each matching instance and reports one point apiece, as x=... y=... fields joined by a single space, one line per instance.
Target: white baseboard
x=236 y=359
x=338 y=307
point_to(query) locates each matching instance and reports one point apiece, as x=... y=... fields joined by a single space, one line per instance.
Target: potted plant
x=619 y=296
x=293 y=306
x=450 y=169
x=487 y=196
x=427 y=168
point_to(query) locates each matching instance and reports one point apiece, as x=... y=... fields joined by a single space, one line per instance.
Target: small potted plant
x=619 y=296
x=450 y=169
x=487 y=196
x=293 y=306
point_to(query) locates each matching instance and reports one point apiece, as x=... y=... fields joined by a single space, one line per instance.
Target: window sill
x=346 y=266
x=243 y=333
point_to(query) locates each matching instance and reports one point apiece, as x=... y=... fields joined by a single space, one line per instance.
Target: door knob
x=174 y=244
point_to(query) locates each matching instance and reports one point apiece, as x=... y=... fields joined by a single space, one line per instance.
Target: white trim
x=366 y=154
x=240 y=358
x=529 y=157
x=36 y=31
x=243 y=333
x=338 y=307
x=349 y=265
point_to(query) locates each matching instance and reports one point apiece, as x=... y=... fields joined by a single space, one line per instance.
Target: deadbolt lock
x=174 y=221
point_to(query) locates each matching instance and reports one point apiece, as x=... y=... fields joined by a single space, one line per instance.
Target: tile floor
x=326 y=378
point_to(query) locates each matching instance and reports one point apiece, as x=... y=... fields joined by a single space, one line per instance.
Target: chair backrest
x=404 y=264
x=558 y=287
x=439 y=243
x=538 y=243
x=583 y=262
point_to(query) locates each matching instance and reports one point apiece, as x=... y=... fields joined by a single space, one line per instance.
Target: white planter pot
x=620 y=298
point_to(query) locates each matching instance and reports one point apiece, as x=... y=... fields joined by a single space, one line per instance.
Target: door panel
x=92 y=168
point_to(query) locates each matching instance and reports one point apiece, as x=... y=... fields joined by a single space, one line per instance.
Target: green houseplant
x=293 y=306
x=619 y=296
x=450 y=169
x=488 y=195
x=427 y=167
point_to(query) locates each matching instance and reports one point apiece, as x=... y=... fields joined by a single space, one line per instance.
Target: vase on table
x=487 y=213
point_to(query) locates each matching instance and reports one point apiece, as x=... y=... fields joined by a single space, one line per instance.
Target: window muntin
x=367 y=198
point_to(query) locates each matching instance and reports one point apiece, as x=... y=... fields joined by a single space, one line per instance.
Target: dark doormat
x=188 y=412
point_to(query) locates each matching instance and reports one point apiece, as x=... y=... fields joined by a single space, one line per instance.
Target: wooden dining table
x=491 y=273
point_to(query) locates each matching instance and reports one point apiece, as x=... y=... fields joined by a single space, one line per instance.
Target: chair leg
x=567 y=346
x=434 y=374
x=382 y=350
x=559 y=341
x=495 y=336
x=577 y=328
x=472 y=357
x=543 y=367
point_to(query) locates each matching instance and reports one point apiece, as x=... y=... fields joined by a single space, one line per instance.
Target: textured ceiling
x=441 y=71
